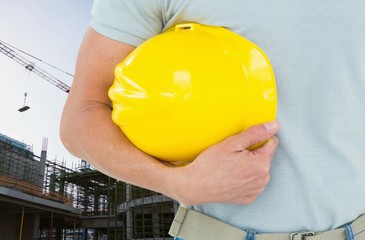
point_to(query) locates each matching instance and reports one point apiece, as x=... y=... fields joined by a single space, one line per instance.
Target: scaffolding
x=22 y=170
x=124 y=211
x=18 y=161
x=109 y=209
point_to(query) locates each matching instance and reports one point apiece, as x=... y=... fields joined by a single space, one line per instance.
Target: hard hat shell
x=189 y=88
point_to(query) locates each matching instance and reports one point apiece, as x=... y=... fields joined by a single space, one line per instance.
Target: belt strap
x=192 y=225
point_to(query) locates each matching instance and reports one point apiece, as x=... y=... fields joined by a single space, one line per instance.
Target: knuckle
x=252 y=132
x=267 y=179
x=257 y=192
x=257 y=129
x=264 y=180
x=264 y=170
x=250 y=199
x=229 y=142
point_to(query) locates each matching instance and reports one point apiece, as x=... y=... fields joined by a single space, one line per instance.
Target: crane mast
x=33 y=68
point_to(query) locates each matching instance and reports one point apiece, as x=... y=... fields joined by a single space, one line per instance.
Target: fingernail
x=271 y=125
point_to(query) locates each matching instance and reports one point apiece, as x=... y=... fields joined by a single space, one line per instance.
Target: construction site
x=43 y=199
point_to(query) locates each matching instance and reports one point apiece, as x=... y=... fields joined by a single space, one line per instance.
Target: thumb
x=256 y=134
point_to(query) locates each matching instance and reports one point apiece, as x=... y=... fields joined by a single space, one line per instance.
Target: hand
x=228 y=172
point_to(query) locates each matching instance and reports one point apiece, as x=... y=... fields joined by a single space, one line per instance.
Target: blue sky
x=51 y=31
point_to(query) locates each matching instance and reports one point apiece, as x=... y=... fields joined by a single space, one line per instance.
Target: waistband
x=192 y=225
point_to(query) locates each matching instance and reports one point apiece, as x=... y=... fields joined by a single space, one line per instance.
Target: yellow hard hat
x=190 y=87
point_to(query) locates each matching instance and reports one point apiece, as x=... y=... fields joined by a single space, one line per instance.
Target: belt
x=192 y=225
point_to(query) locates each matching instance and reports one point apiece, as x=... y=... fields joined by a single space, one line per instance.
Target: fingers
x=268 y=147
x=240 y=175
x=253 y=135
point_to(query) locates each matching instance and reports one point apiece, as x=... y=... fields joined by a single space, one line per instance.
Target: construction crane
x=8 y=51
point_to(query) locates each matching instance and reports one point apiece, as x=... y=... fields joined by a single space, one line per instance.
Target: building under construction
x=43 y=199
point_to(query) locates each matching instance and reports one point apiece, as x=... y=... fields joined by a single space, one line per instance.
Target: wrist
x=179 y=184
x=175 y=182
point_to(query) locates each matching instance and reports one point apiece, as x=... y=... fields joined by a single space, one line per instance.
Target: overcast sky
x=51 y=31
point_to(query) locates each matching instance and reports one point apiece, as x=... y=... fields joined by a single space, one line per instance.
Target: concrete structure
x=41 y=199
x=23 y=216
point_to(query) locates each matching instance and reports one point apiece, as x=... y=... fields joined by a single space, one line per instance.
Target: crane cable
x=37 y=58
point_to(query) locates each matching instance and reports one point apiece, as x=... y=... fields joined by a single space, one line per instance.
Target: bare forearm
x=90 y=134
x=87 y=129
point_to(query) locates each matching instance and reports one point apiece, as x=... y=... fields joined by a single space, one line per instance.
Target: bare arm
x=225 y=172
x=87 y=130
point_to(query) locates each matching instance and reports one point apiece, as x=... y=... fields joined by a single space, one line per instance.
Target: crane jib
x=8 y=51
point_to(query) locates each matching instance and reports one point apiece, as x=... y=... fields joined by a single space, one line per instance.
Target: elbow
x=68 y=134
x=65 y=137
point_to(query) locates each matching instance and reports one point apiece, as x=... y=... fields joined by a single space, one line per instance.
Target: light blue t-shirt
x=317 y=50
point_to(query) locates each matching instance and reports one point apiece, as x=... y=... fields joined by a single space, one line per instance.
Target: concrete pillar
x=42 y=164
x=85 y=233
x=128 y=196
x=155 y=223
x=36 y=221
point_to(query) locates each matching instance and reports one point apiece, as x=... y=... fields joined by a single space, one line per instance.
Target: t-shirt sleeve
x=128 y=21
